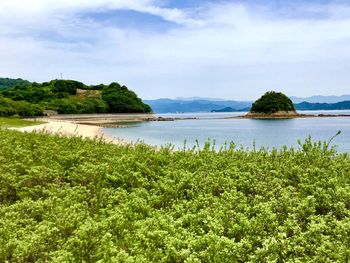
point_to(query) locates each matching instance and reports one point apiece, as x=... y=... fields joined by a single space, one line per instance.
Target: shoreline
x=69 y=129
x=286 y=116
x=110 y=120
x=91 y=125
x=122 y=119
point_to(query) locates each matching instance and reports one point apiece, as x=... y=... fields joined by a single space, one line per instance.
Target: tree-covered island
x=273 y=105
x=22 y=98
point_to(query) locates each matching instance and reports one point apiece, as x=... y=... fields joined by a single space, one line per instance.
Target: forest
x=27 y=99
x=98 y=202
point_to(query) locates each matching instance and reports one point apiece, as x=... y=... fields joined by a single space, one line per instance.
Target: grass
x=17 y=123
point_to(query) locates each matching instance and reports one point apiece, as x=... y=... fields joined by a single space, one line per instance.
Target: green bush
x=9 y=107
x=66 y=86
x=75 y=105
x=73 y=200
x=272 y=102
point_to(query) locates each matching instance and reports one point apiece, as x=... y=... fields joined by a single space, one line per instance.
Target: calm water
x=268 y=133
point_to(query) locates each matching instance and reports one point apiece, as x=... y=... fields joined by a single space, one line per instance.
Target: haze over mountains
x=195 y=105
x=321 y=99
x=198 y=104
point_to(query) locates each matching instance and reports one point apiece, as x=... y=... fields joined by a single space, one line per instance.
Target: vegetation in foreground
x=272 y=102
x=18 y=97
x=73 y=200
x=17 y=123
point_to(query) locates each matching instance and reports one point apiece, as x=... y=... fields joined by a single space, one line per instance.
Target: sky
x=185 y=48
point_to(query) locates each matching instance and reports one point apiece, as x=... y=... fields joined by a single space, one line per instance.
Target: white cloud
x=44 y=6
x=227 y=50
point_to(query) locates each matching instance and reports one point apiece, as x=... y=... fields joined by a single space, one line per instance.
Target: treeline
x=6 y=83
x=68 y=97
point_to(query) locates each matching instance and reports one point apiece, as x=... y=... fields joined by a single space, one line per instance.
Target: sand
x=68 y=128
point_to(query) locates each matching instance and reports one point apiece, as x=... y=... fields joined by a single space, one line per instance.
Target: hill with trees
x=68 y=97
x=272 y=104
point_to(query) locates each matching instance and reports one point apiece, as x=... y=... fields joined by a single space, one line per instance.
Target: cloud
x=219 y=49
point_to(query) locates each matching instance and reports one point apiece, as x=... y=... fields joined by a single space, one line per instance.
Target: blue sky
x=168 y=48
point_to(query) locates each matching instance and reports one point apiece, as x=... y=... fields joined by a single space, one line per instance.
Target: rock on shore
x=275 y=115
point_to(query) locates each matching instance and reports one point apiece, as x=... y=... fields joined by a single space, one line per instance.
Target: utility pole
x=61 y=76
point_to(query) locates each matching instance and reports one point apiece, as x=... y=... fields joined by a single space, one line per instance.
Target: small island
x=272 y=105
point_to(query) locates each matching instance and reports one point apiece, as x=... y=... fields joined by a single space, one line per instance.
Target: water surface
x=243 y=132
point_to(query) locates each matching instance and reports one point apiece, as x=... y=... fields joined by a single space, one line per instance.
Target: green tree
x=66 y=86
x=122 y=100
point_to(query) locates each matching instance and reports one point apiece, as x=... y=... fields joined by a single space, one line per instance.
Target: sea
x=216 y=129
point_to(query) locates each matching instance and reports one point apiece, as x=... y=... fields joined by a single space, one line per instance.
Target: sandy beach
x=68 y=128
x=86 y=125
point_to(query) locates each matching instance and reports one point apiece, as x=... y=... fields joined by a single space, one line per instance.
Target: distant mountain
x=176 y=105
x=321 y=99
x=212 y=105
x=199 y=98
x=343 y=105
x=229 y=109
x=226 y=109
x=6 y=83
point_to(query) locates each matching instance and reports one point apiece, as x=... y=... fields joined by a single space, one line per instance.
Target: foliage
x=61 y=95
x=272 y=102
x=36 y=93
x=6 y=83
x=76 y=105
x=17 y=122
x=66 y=86
x=10 y=107
x=74 y=200
x=122 y=100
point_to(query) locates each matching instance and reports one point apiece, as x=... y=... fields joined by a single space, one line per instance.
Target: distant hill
x=343 y=105
x=197 y=104
x=199 y=98
x=201 y=105
x=6 y=83
x=321 y=99
x=229 y=109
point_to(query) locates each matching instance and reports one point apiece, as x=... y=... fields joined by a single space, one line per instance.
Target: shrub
x=74 y=200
